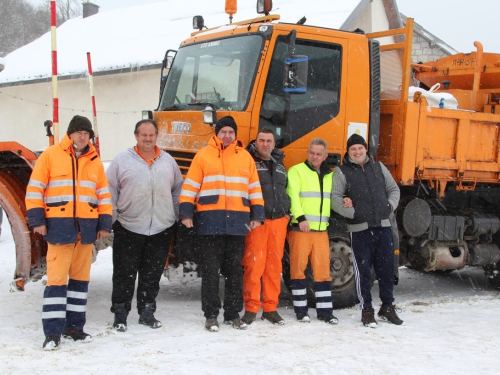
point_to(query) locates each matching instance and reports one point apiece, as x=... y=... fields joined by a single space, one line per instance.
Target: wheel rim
x=341 y=263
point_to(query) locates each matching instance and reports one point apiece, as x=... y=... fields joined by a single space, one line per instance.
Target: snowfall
x=451 y=327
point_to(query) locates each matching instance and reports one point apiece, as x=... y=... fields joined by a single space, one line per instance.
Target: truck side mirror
x=295 y=80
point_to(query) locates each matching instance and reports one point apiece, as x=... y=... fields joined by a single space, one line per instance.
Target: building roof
x=433 y=40
x=134 y=38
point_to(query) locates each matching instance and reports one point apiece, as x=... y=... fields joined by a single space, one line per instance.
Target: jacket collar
x=218 y=144
x=347 y=161
x=276 y=155
x=323 y=168
x=67 y=145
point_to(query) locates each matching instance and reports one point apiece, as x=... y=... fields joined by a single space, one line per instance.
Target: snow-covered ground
x=451 y=327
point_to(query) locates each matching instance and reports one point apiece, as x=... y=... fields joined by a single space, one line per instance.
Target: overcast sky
x=457 y=22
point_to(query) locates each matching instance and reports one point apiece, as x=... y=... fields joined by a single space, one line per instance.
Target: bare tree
x=21 y=22
x=66 y=9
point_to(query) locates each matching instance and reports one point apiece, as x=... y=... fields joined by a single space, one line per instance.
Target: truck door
x=306 y=111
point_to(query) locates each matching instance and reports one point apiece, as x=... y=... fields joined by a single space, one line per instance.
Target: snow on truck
x=304 y=82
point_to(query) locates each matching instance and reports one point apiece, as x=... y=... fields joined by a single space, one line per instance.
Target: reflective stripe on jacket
x=310 y=193
x=224 y=185
x=69 y=194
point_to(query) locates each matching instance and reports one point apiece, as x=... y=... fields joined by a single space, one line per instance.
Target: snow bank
x=451 y=327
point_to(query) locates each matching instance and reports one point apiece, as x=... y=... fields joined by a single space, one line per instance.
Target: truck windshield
x=220 y=72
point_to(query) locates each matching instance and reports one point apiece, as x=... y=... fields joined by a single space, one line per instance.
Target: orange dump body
x=459 y=70
x=472 y=78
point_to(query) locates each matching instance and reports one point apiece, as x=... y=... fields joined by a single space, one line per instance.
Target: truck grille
x=183 y=160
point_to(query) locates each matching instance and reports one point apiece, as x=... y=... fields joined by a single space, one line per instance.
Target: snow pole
x=92 y=96
x=55 y=97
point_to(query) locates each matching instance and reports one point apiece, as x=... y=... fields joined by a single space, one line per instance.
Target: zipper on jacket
x=152 y=197
x=320 y=176
x=74 y=186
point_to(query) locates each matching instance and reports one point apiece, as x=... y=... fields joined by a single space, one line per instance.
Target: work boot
x=249 y=317
x=236 y=323
x=388 y=313
x=120 y=323
x=368 y=317
x=273 y=317
x=330 y=319
x=147 y=317
x=76 y=335
x=303 y=318
x=212 y=325
x=51 y=343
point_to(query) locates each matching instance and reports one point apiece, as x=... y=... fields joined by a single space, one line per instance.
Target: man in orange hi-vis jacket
x=224 y=185
x=69 y=203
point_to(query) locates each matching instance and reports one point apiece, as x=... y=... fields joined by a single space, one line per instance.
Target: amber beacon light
x=231 y=8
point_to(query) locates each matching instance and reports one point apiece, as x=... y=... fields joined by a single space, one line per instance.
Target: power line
x=66 y=108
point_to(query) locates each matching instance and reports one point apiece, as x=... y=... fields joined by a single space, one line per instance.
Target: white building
x=127 y=47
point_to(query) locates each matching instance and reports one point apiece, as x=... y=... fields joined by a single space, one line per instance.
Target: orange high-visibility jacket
x=69 y=194
x=224 y=185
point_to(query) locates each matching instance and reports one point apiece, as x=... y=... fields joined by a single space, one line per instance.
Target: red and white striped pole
x=91 y=82
x=55 y=97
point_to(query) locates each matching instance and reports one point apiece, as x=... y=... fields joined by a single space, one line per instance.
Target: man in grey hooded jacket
x=145 y=183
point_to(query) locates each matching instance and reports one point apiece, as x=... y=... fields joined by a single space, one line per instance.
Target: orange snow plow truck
x=303 y=82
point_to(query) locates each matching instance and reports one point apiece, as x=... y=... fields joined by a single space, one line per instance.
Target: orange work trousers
x=309 y=245
x=73 y=260
x=262 y=261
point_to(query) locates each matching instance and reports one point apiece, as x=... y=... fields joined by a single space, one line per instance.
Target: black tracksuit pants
x=136 y=254
x=221 y=254
x=374 y=247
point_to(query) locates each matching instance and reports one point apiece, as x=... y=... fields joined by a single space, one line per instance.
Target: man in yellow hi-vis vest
x=309 y=188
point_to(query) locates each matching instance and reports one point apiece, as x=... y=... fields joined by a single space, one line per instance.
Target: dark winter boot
x=76 y=335
x=236 y=323
x=249 y=317
x=388 y=313
x=329 y=319
x=120 y=323
x=273 y=317
x=51 y=343
x=147 y=317
x=212 y=325
x=368 y=317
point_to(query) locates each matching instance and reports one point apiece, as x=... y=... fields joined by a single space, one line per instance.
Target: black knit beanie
x=226 y=121
x=80 y=123
x=356 y=139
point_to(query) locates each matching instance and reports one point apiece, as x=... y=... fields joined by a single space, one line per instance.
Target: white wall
x=120 y=99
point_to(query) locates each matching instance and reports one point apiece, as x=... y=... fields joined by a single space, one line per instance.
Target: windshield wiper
x=172 y=108
x=203 y=103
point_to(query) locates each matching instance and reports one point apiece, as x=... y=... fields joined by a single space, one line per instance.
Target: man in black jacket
x=264 y=245
x=365 y=192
